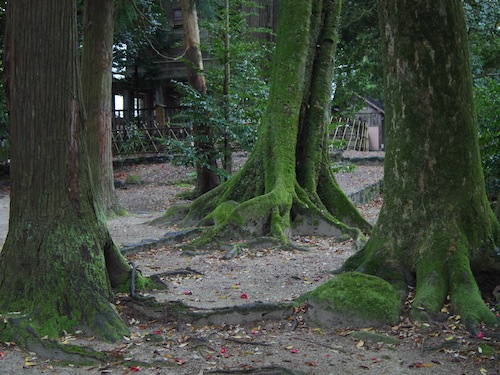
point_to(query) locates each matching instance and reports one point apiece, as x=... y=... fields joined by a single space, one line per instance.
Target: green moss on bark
x=353 y=298
x=435 y=230
x=287 y=185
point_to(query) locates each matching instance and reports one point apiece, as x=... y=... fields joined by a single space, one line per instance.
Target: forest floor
x=252 y=344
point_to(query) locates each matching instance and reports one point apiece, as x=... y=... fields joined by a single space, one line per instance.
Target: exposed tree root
x=252 y=312
x=439 y=266
x=269 y=370
x=277 y=215
x=22 y=332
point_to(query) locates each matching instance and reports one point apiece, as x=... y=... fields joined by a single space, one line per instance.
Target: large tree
x=287 y=187
x=59 y=263
x=436 y=230
x=97 y=58
x=206 y=160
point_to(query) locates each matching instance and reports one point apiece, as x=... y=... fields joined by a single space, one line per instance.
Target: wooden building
x=373 y=114
x=148 y=95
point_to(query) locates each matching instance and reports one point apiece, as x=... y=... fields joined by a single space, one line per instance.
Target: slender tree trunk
x=286 y=186
x=497 y=208
x=58 y=263
x=227 y=161
x=436 y=227
x=97 y=58
x=206 y=166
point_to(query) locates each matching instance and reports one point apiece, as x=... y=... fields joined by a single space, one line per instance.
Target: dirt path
x=157 y=345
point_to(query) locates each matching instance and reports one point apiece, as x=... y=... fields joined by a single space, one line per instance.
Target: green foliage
x=342 y=167
x=233 y=114
x=134 y=139
x=484 y=41
x=358 y=68
x=484 y=37
x=487 y=98
x=141 y=33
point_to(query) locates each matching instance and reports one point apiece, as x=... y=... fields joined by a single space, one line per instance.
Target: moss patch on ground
x=353 y=298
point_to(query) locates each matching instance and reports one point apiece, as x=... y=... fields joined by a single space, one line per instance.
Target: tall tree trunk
x=227 y=162
x=286 y=187
x=206 y=166
x=436 y=228
x=58 y=263
x=97 y=58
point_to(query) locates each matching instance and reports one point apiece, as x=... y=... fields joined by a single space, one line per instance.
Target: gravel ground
x=160 y=346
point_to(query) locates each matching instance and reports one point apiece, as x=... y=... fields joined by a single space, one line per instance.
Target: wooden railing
x=351 y=134
x=145 y=130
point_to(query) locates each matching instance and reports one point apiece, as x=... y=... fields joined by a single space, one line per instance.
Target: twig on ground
x=320 y=344
x=239 y=341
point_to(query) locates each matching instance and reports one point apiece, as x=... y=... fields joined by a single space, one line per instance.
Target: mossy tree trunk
x=436 y=230
x=59 y=263
x=286 y=187
x=206 y=157
x=97 y=58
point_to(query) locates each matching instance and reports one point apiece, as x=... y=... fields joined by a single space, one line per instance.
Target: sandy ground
x=161 y=346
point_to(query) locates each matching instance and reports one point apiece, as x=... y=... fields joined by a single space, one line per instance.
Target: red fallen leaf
x=2 y=356
x=156 y=332
x=188 y=293
x=135 y=368
x=244 y=296
x=223 y=350
x=480 y=335
x=294 y=351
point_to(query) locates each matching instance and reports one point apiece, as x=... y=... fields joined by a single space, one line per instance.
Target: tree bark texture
x=286 y=187
x=436 y=228
x=206 y=166
x=97 y=58
x=59 y=262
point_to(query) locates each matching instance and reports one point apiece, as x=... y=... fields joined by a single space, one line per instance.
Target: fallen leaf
x=244 y=296
x=421 y=365
x=480 y=335
x=294 y=351
x=135 y=368
x=29 y=362
x=311 y=363
x=360 y=344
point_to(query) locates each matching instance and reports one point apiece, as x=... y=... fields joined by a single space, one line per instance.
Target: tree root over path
x=271 y=370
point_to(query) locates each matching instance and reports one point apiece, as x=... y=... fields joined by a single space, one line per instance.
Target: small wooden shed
x=373 y=114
